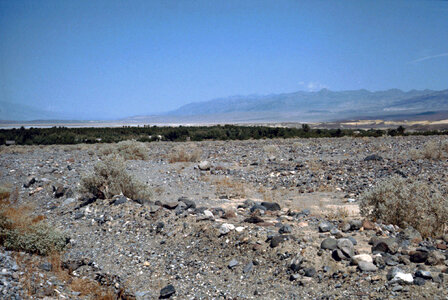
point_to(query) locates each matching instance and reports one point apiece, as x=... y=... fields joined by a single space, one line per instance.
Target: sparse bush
x=432 y=150
x=271 y=150
x=20 y=231
x=129 y=150
x=187 y=153
x=38 y=238
x=109 y=178
x=403 y=203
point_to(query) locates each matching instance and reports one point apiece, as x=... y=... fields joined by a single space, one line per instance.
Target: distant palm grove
x=64 y=135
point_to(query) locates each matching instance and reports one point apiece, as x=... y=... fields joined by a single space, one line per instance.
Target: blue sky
x=109 y=59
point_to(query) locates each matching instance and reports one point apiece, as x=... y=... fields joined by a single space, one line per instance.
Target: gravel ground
x=215 y=234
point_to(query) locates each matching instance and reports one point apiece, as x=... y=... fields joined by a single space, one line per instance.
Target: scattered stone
x=384 y=245
x=204 y=165
x=46 y=266
x=296 y=263
x=170 y=205
x=435 y=258
x=253 y=220
x=410 y=234
x=367 y=266
x=277 y=240
x=329 y=244
x=226 y=228
x=285 y=229
x=58 y=191
x=188 y=202
x=346 y=246
x=355 y=224
x=29 y=181
x=120 y=200
x=418 y=256
x=367 y=225
x=208 y=214
x=356 y=259
x=396 y=275
x=167 y=292
x=325 y=226
x=271 y=206
x=233 y=263
x=423 y=274
x=248 y=267
x=419 y=281
x=373 y=157
x=310 y=272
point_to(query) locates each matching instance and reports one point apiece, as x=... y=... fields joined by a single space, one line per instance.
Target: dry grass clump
x=185 y=153
x=230 y=188
x=129 y=150
x=407 y=203
x=110 y=178
x=431 y=150
x=341 y=213
x=271 y=150
x=17 y=149
x=20 y=231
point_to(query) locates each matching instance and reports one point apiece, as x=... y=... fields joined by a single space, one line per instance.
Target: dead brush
x=434 y=150
x=89 y=287
x=110 y=178
x=230 y=188
x=185 y=153
x=341 y=213
x=408 y=202
x=129 y=150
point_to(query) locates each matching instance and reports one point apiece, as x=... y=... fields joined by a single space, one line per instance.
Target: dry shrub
x=185 y=153
x=407 y=203
x=230 y=188
x=19 y=230
x=88 y=287
x=435 y=150
x=110 y=178
x=271 y=150
x=129 y=150
x=17 y=149
x=341 y=213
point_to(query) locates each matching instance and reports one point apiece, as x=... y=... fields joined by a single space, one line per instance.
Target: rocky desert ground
x=266 y=219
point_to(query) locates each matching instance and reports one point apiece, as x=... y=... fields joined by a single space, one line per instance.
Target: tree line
x=89 y=135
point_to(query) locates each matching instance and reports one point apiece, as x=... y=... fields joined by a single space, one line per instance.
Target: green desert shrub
x=20 y=231
x=405 y=203
x=39 y=238
x=110 y=178
x=129 y=150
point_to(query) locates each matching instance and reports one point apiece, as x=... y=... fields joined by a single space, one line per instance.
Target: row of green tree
x=64 y=135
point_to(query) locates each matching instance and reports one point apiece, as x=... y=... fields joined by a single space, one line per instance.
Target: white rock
x=208 y=214
x=204 y=165
x=239 y=229
x=226 y=228
x=361 y=257
x=403 y=278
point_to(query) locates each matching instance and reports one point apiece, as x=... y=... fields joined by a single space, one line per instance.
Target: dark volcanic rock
x=418 y=256
x=373 y=157
x=271 y=205
x=167 y=292
x=253 y=220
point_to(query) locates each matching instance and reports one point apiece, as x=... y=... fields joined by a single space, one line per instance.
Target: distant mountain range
x=323 y=105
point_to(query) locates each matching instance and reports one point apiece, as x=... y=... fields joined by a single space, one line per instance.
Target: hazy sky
x=120 y=58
